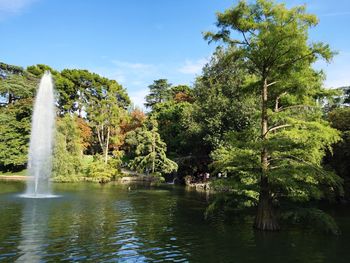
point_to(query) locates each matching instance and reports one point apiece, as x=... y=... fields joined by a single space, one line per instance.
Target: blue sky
x=137 y=41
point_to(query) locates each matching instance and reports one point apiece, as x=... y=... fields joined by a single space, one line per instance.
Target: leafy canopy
x=282 y=156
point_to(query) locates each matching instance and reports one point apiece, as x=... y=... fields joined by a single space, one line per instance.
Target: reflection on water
x=94 y=223
x=33 y=230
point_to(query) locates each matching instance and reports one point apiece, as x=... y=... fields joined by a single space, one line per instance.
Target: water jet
x=41 y=141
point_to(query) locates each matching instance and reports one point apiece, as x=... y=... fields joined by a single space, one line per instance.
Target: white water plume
x=41 y=140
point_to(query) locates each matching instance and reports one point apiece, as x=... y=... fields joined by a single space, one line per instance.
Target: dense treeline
x=258 y=114
x=97 y=128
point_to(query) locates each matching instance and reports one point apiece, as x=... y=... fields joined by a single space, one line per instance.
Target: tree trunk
x=153 y=150
x=107 y=145
x=265 y=218
x=10 y=98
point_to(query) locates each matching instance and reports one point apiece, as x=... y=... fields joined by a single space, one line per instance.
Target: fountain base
x=38 y=196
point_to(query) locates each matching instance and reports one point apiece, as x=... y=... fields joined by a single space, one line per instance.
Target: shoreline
x=14 y=177
x=121 y=180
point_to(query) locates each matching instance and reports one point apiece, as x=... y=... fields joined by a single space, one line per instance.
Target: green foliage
x=16 y=87
x=226 y=203
x=313 y=218
x=15 y=133
x=16 y=91
x=340 y=119
x=222 y=103
x=99 y=171
x=182 y=93
x=270 y=33
x=149 y=150
x=106 y=115
x=283 y=156
x=10 y=69
x=67 y=157
x=91 y=86
x=339 y=158
x=175 y=126
x=244 y=192
x=295 y=159
x=346 y=91
x=159 y=92
x=39 y=69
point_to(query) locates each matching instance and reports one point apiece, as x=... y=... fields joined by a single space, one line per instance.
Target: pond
x=110 y=223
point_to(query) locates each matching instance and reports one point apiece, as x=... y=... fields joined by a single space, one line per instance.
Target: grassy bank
x=19 y=173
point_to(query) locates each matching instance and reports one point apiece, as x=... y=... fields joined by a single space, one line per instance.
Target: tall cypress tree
x=292 y=135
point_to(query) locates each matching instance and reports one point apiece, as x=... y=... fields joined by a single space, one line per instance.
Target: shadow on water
x=109 y=223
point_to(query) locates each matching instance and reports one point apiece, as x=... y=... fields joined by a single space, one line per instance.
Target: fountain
x=41 y=141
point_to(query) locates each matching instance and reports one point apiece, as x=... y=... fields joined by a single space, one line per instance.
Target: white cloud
x=127 y=72
x=138 y=97
x=134 y=76
x=136 y=65
x=193 y=67
x=13 y=7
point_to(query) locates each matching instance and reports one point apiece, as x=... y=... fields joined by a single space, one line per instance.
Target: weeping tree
x=149 y=150
x=285 y=159
x=67 y=154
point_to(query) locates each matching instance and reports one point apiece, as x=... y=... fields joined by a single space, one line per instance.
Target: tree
x=338 y=159
x=346 y=95
x=88 y=86
x=6 y=69
x=159 y=92
x=67 y=154
x=150 y=150
x=67 y=91
x=223 y=103
x=182 y=93
x=135 y=120
x=85 y=133
x=15 y=133
x=15 y=84
x=16 y=99
x=175 y=126
x=106 y=115
x=98 y=100
x=274 y=45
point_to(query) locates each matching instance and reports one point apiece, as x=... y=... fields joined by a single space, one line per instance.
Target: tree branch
x=277 y=101
x=272 y=83
x=277 y=128
x=299 y=160
x=245 y=38
x=295 y=107
x=292 y=61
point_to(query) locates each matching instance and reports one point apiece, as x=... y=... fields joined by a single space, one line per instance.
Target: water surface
x=109 y=223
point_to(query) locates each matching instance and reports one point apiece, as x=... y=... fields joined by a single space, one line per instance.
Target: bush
x=98 y=171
